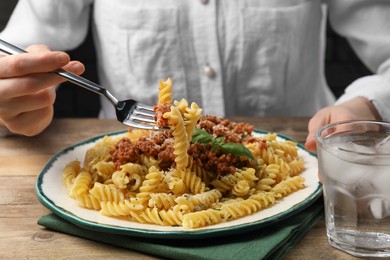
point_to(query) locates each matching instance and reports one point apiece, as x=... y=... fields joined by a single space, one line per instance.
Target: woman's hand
x=27 y=90
x=358 y=108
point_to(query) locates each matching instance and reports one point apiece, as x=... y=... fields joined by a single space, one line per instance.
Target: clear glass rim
x=320 y=139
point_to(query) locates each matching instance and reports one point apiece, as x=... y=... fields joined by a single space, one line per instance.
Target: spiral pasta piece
x=190 y=203
x=165 y=92
x=240 y=209
x=148 y=161
x=106 y=192
x=129 y=176
x=289 y=149
x=296 y=167
x=246 y=174
x=289 y=186
x=101 y=151
x=202 y=218
x=124 y=180
x=181 y=143
x=161 y=217
x=265 y=184
x=121 y=208
x=70 y=172
x=162 y=200
x=181 y=105
x=266 y=199
x=103 y=170
x=149 y=185
x=134 y=168
x=202 y=173
x=193 y=182
x=81 y=184
x=225 y=183
x=88 y=201
x=177 y=186
x=192 y=114
x=241 y=188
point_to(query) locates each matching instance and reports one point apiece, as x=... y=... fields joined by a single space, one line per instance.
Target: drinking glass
x=354 y=168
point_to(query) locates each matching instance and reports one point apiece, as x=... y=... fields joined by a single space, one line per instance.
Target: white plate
x=53 y=195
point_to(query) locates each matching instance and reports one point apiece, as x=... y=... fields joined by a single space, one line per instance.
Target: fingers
x=38 y=48
x=31 y=123
x=346 y=111
x=29 y=115
x=318 y=120
x=27 y=73
x=34 y=62
x=32 y=83
x=27 y=103
x=310 y=143
x=75 y=67
x=26 y=88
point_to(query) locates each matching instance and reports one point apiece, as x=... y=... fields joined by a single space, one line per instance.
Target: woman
x=231 y=57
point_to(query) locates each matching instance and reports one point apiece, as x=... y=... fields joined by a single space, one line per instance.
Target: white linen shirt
x=235 y=57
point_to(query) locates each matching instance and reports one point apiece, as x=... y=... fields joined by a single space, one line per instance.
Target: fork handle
x=11 y=49
x=87 y=84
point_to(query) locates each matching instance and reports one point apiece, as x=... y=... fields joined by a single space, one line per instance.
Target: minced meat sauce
x=159 y=145
x=160 y=110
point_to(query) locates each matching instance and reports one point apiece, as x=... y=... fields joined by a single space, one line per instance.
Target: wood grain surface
x=22 y=158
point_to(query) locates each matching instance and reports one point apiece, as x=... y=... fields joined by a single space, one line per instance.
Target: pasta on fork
x=202 y=170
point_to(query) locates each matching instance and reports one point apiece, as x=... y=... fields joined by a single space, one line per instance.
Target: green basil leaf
x=218 y=141
x=201 y=136
x=237 y=150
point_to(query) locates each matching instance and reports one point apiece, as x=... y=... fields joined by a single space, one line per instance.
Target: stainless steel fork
x=129 y=112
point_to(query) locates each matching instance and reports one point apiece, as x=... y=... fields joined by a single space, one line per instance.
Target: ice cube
x=356 y=153
x=383 y=146
x=340 y=170
x=376 y=187
x=380 y=208
x=356 y=148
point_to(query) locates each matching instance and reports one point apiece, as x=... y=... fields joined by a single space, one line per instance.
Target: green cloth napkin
x=270 y=242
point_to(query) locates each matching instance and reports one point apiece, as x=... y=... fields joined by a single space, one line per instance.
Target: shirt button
x=210 y=72
x=204 y=2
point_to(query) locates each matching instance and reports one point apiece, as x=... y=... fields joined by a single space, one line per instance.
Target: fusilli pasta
x=202 y=171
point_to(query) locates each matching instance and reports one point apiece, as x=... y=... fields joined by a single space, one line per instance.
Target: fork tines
x=143 y=117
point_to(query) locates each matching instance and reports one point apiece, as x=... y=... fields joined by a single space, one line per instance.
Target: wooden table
x=21 y=159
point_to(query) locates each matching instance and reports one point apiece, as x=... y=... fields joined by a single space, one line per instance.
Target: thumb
x=310 y=143
x=318 y=120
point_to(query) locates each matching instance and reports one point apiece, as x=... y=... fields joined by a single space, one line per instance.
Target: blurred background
x=341 y=68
